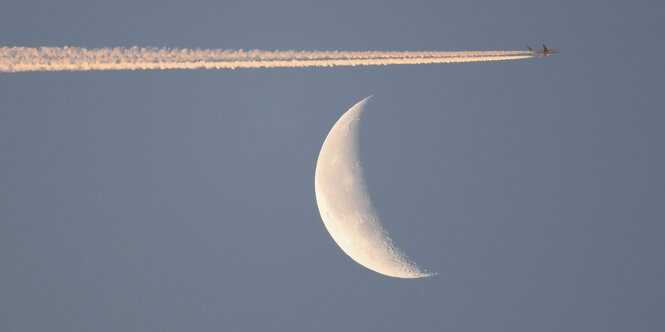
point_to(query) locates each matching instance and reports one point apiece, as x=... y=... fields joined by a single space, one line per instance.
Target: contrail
x=22 y=59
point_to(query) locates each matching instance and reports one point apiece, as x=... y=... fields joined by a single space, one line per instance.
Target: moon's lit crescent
x=345 y=206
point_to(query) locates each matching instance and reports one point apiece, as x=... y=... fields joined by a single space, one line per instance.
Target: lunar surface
x=345 y=206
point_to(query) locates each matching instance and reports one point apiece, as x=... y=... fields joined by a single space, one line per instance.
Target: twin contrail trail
x=23 y=59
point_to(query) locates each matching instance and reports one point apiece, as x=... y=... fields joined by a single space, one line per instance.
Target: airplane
x=545 y=52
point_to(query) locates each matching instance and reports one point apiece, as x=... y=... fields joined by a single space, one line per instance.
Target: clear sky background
x=184 y=200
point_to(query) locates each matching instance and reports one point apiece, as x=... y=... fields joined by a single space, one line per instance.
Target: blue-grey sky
x=184 y=200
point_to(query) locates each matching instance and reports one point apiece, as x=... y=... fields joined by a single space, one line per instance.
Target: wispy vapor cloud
x=21 y=59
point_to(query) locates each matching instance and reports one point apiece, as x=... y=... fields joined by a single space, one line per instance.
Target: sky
x=184 y=199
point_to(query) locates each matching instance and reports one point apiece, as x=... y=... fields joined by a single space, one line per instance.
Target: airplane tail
x=528 y=48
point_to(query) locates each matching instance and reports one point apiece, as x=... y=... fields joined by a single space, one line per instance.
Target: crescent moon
x=345 y=206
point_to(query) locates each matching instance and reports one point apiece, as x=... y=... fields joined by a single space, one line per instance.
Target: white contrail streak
x=22 y=59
